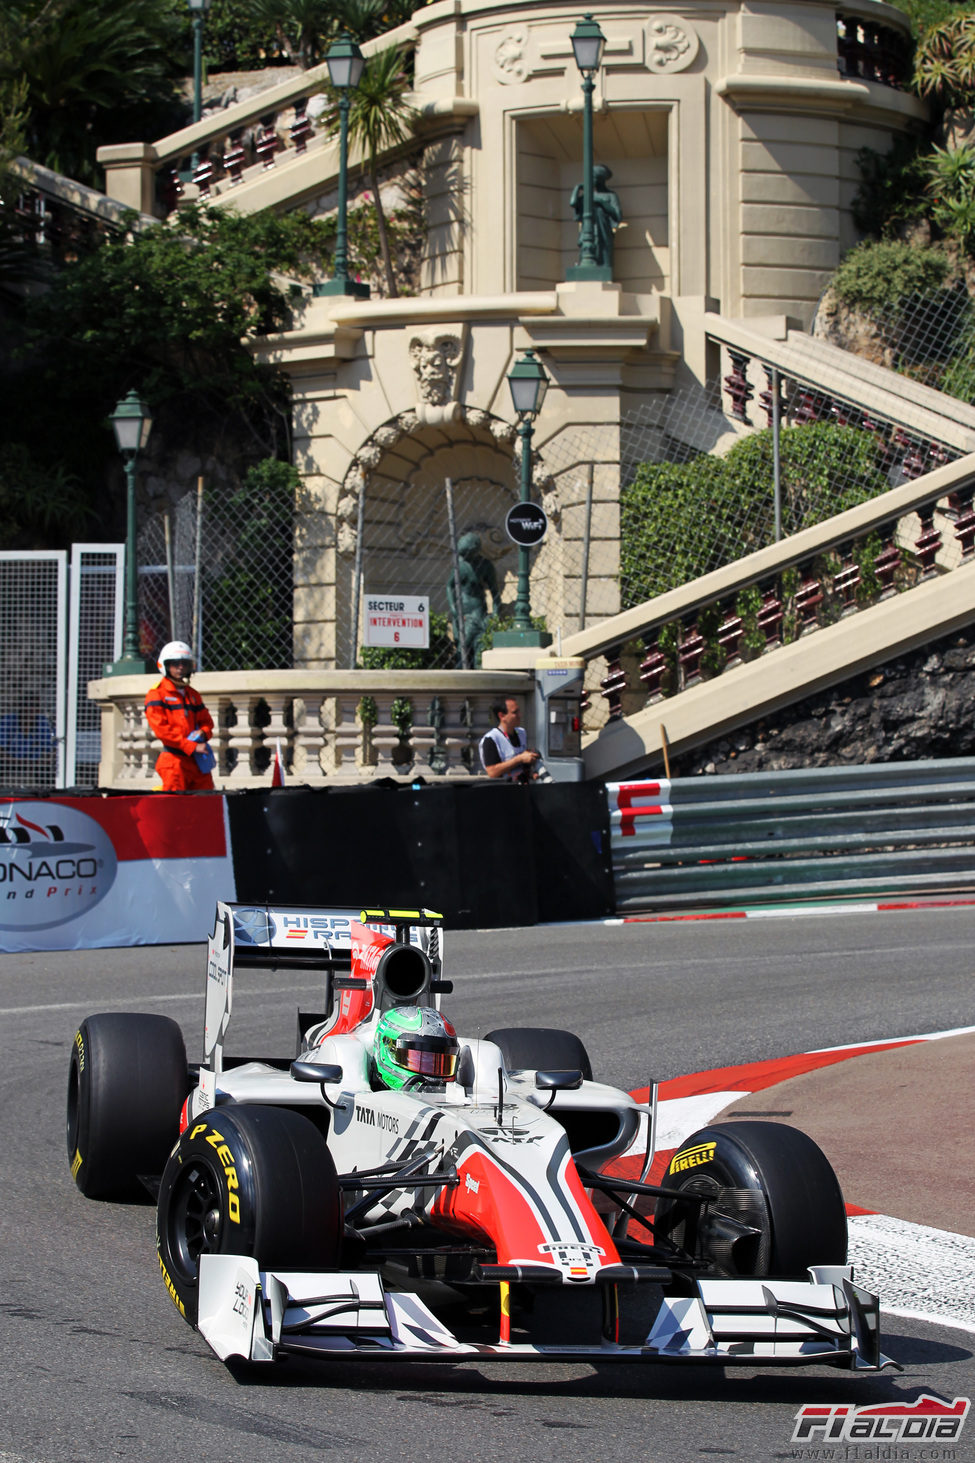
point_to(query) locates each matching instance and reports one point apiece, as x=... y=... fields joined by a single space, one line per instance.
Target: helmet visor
x=427 y=1056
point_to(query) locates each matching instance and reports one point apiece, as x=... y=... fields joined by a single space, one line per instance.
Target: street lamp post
x=528 y=384
x=345 y=62
x=198 y=10
x=132 y=423
x=587 y=48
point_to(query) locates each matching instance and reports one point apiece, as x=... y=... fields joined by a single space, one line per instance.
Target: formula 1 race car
x=397 y=1190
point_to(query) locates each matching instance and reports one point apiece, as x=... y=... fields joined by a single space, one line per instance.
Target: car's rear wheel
x=127 y=1079
x=774 y=1203
x=541 y=1048
x=248 y=1180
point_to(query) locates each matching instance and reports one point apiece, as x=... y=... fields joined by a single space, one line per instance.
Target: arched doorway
x=395 y=496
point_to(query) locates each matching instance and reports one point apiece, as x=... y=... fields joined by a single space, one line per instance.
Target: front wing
x=258 y=1314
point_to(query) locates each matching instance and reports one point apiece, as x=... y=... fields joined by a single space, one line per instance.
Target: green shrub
x=891 y=191
x=878 y=276
x=679 y=521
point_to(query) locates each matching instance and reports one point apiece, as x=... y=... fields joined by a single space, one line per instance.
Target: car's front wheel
x=773 y=1203
x=247 y=1180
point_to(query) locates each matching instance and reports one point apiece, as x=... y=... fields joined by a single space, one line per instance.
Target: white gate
x=58 y=627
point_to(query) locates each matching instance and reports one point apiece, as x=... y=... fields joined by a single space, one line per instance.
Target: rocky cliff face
x=912 y=708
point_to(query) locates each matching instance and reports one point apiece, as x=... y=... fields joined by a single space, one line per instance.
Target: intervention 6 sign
x=398 y=619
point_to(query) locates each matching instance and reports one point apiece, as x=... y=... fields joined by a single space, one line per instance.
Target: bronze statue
x=477 y=575
x=606 y=212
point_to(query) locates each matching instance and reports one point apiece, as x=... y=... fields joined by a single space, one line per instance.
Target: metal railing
x=889 y=829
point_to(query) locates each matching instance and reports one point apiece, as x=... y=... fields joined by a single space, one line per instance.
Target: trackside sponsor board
x=83 y=872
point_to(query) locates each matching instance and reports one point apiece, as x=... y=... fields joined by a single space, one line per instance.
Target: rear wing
x=287 y=937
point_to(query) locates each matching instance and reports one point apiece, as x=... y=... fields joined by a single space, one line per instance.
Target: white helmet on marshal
x=175 y=650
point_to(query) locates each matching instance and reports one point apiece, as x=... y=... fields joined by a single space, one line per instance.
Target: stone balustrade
x=914 y=533
x=229 y=146
x=869 y=50
x=333 y=727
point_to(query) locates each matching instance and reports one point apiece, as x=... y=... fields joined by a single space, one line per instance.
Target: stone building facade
x=731 y=129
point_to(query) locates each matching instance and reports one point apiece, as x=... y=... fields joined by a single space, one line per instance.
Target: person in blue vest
x=505 y=753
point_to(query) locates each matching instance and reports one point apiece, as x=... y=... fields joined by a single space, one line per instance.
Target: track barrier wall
x=80 y=872
x=891 y=828
x=84 y=871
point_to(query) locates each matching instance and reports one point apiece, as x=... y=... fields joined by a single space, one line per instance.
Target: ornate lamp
x=132 y=423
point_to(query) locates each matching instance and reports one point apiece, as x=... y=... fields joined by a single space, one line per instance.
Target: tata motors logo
x=55 y=863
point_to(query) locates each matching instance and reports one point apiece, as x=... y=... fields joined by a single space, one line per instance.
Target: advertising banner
x=80 y=873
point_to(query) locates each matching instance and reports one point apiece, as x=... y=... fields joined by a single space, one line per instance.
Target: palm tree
x=91 y=72
x=381 y=117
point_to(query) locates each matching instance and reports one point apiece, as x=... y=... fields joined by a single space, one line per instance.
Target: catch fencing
x=60 y=622
x=887 y=830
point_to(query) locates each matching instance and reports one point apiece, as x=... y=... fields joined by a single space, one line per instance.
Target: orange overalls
x=173 y=712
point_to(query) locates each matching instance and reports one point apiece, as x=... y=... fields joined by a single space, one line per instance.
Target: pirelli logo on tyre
x=691 y=1157
x=218 y=1143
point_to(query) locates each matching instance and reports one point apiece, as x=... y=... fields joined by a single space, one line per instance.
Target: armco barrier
x=891 y=828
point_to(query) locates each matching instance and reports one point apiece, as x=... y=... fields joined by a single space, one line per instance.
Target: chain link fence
x=928 y=335
x=685 y=482
x=216 y=570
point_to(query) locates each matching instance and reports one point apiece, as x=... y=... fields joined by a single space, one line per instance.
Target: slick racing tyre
x=775 y=1205
x=541 y=1049
x=248 y=1180
x=126 y=1083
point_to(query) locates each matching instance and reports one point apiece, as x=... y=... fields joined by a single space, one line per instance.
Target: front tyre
x=774 y=1203
x=127 y=1080
x=248 y=1180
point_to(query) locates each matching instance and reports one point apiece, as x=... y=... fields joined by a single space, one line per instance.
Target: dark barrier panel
x=484 y=856
x=572 y=850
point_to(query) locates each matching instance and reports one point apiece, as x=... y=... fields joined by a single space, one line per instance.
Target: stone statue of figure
x=477 y=575
x=606 y=212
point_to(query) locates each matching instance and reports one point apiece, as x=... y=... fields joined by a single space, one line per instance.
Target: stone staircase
x=829 y=608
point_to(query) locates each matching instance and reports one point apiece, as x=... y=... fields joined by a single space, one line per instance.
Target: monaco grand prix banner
x=84 y=872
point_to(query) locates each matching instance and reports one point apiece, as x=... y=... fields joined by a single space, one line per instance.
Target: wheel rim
x=195 y=1218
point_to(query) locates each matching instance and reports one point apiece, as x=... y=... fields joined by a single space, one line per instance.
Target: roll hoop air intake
x=404 y=977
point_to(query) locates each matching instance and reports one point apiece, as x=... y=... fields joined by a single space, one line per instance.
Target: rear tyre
x=775 y=1203
x=248 y=1180
x=541 y=1048
x=127 y=1079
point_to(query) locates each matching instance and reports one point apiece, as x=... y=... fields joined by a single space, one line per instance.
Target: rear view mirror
x=558 y=1081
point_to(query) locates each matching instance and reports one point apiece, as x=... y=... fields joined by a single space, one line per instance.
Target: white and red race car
x=303 y=1207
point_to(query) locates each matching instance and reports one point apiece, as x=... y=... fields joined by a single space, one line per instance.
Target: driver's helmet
x=414 y=1045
